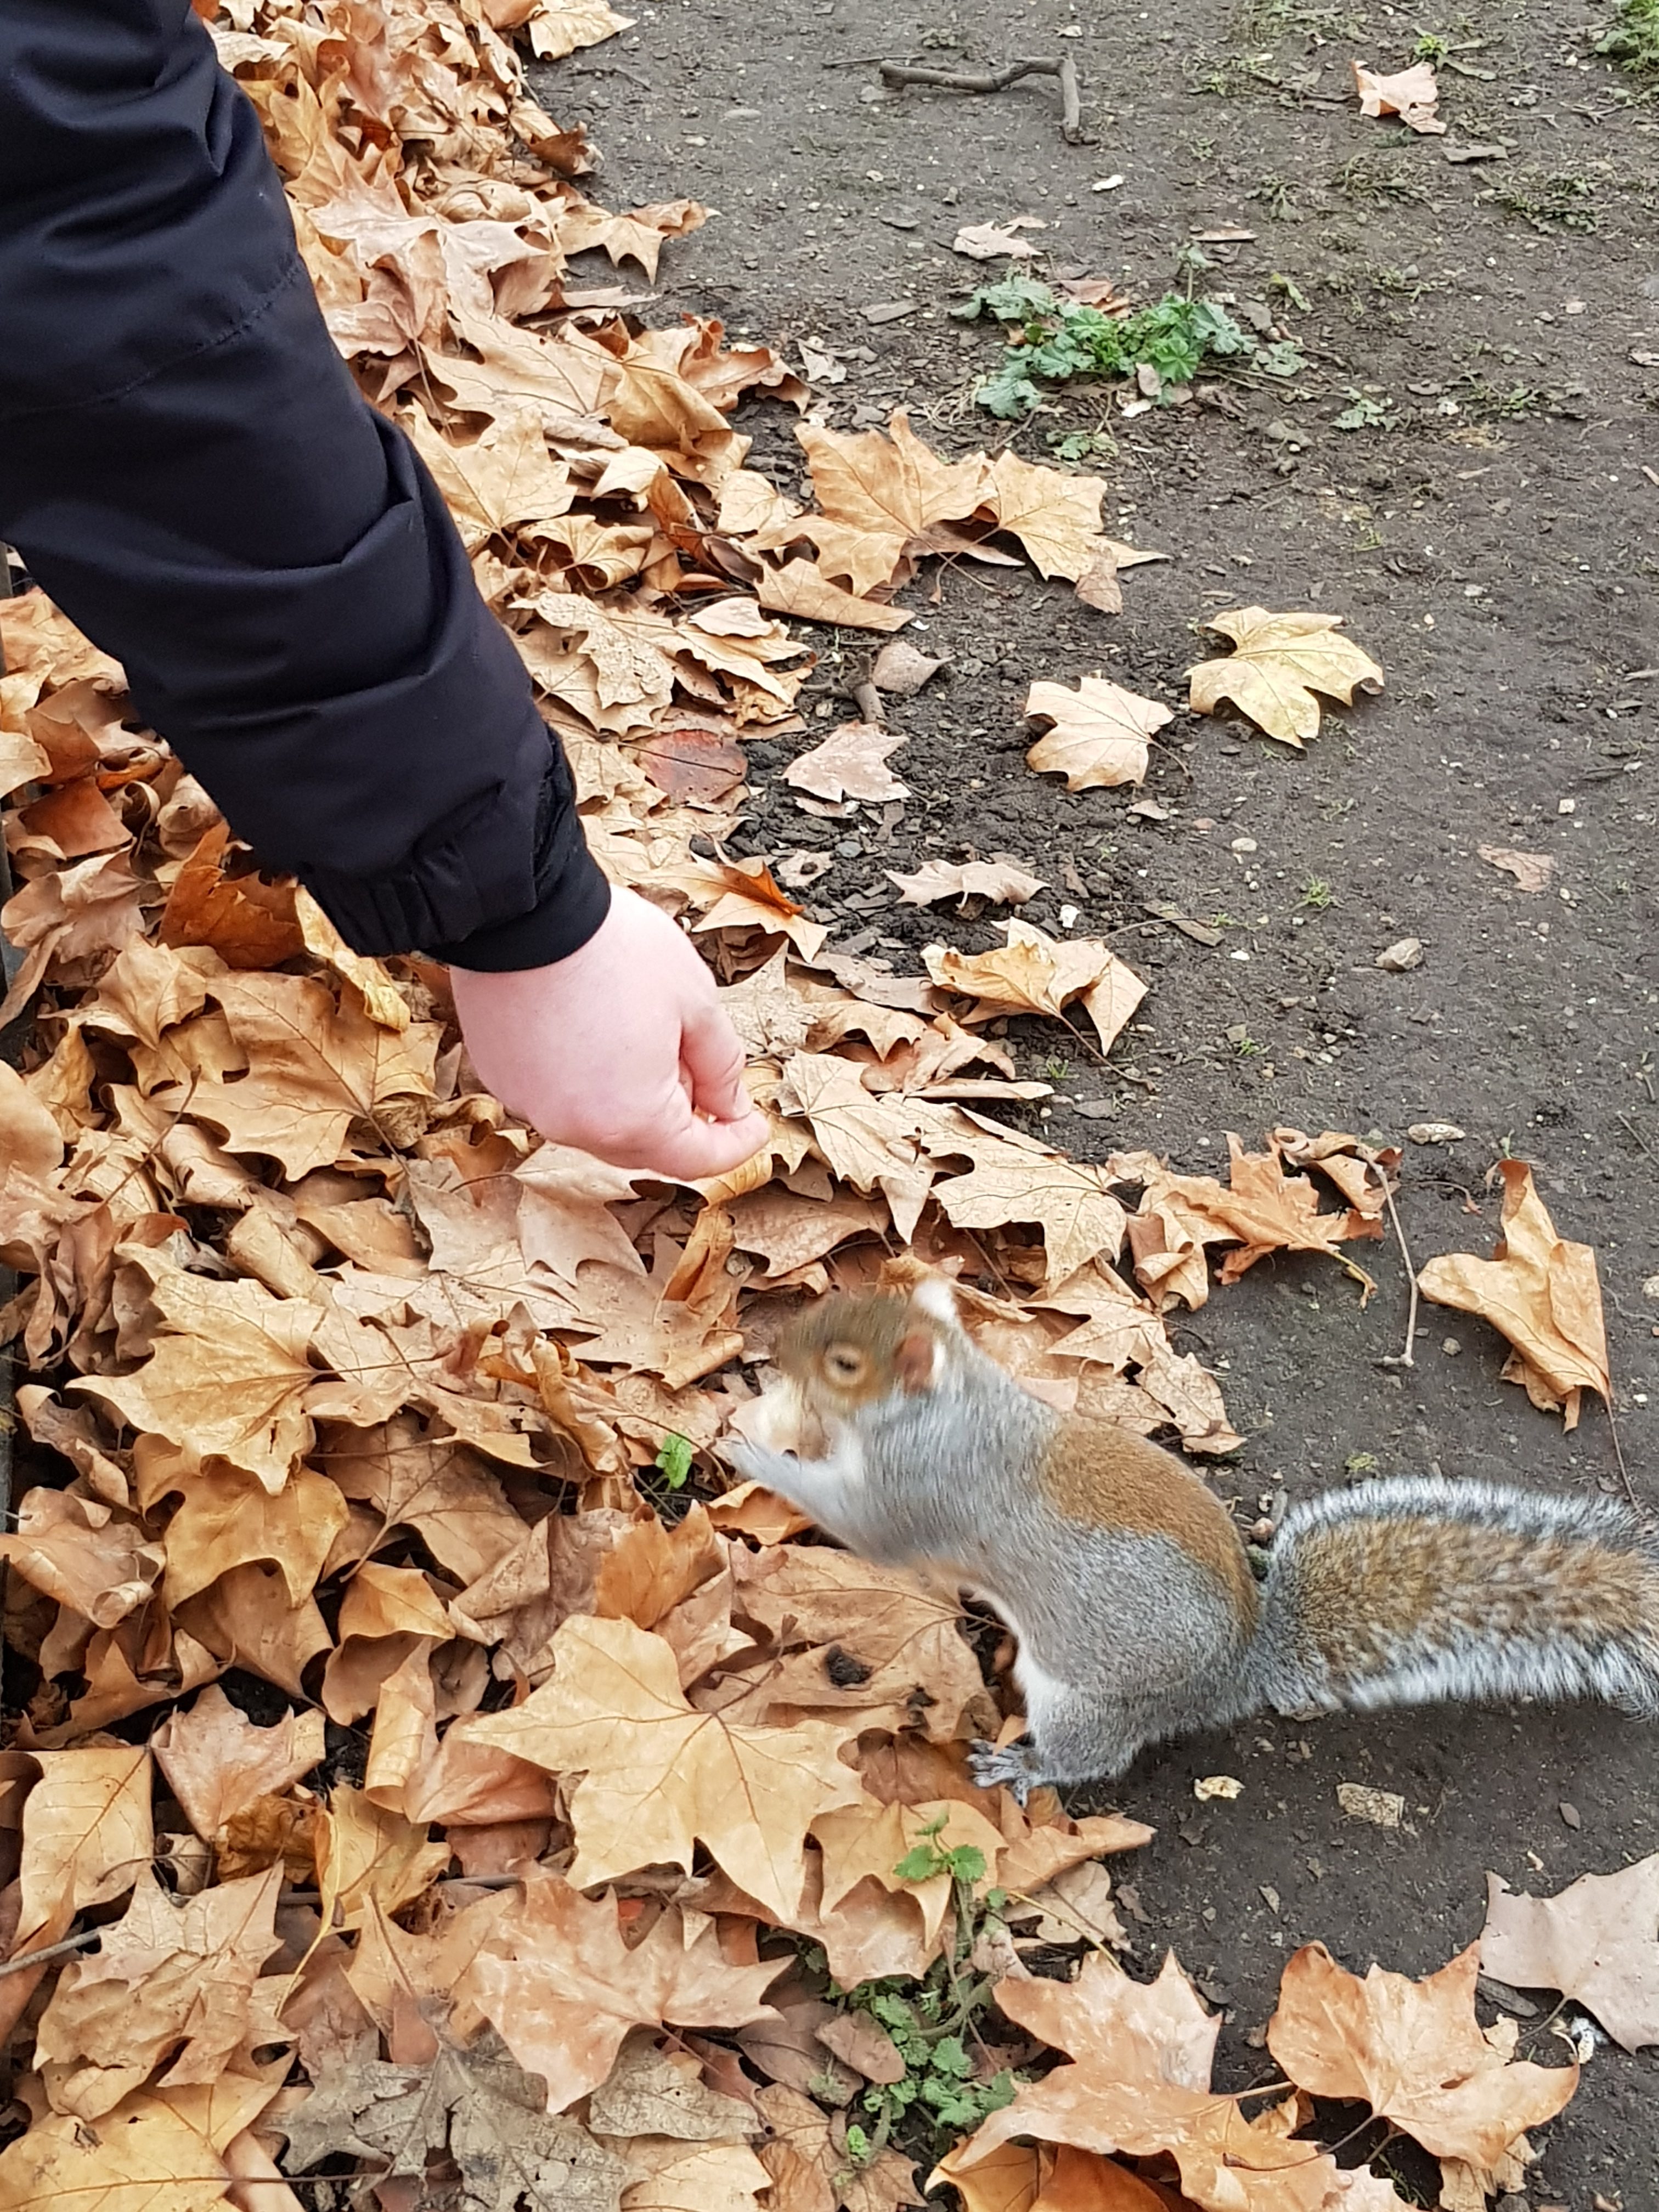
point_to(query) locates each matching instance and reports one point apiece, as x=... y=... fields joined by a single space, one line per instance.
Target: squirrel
x=1126 y=1583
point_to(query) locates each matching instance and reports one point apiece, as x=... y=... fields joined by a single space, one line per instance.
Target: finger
x=712 y=1056
x=696 y=1150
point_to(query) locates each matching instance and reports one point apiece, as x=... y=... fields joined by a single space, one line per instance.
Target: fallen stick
x=1071 y=91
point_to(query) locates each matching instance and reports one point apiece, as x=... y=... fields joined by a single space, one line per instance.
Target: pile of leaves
x=1163 y=346
x=465 y=1789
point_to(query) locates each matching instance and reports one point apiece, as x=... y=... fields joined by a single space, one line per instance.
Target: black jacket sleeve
x=189 y=471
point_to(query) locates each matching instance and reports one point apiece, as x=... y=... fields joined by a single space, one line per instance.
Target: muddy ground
x=1490 y=542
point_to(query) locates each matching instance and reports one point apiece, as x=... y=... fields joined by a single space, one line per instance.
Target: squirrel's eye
x=841 y=1365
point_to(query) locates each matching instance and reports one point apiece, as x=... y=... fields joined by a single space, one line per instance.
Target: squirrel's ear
x=912 y=1362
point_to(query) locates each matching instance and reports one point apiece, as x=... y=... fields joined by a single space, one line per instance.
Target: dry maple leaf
x=1412 y=94
x=1594 y=1941
x=881 y=496
x=1531 y=871
x=172 y=1980
x=871 y=1142
x=800 y=588
x=559 y=1981
x=658 y=1777
x=850 y=763
x=1413 y=2051
x=1538 y=1289
x=1068 y=1199
x=217 y=1762
x=161 y=2150
x=1139 y=2083
x=1056 y=516
x=87 y=1832
x=669 y=2176
x=999 y=880
x=1279 y=662
x=1101 y=733
x=226 y=1374
x=480 y=2107
x=992 y=241
x=1038 y=974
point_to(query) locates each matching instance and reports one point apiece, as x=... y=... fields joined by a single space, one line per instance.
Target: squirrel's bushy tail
x=1407 y=1591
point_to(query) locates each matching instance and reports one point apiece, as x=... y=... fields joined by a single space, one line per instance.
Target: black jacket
x=189 y=471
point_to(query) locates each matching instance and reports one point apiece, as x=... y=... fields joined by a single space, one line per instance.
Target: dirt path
x=1489 y=541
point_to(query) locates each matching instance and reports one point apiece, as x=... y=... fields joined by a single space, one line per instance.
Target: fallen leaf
x=989 y=241
x=668 y=2176
x=1039 y=974
x=1279 y=662
x=658 y=1777
x=1101 y=733
x=86 y=1836
x=998 y=880
x=172 y=1980
x=476 y=2105
x=1413 y=2051
x=1532 y=871
x=801 y=589
x=1056 y=516
x=1412 y=94
x=850 y=763
x=1594 y=1941
x=809 y=2168
x=158 y=2151
x=653 y=2092
x=900 y=668
x=882 y=497
x=217 y=1763
x=1538 y=1289
x=558 y=1978
x=1383 y=1809
x=1209 y=1787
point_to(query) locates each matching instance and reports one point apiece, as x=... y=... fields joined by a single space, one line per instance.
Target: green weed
x=1059 y=340
x=1557 y=202
x=1317 y=893
x=932 y=2022
x=673 y=1462
x=1363 y=412
x=1631 y=39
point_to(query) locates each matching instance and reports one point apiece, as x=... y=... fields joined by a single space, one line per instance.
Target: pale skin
x=622 y=1049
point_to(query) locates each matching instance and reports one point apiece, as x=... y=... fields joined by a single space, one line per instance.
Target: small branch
x=866 y=697
x=1070 y=91
x=25 y=1959
x=1403 y=1358
x=1619 y=1454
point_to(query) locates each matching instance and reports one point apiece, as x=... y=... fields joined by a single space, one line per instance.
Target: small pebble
x=1451 y=1346
x=1569 y=1814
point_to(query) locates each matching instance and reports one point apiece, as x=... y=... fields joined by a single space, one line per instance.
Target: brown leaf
x=693 y=765
x=477 y=2106
x=809 y=2164
x=248 y=922
x=1039 y=974
x=801 y=589
x=1594 y=1941
x=1141 y=2083
x=172 y=1981
x=1413 y=2051
x=158 y=2151
x=1412 y=94
x=1054 y=515
x=1100 y=733
x=901 y=669
x=991 y=879
x=880 y=496
x=1539 y=1290
x=226 y=1374
x=1532 y=871
x=653 y=2092
x=1280 y=661
x=676 y=2177
x=559 y=1981
x=87 y=1834
x=659 y=1776
x=217 y=1762
x=990 y=242
x=850 y=763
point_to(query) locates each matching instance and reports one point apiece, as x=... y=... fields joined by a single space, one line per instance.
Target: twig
x=866 y=697
x=52 y=1951
x=1071 y=91
x=1403 y=1358
x=1619 y=1452
x=1640 y=1139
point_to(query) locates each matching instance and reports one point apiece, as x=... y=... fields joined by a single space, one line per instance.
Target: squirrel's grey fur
x=1396 y=1592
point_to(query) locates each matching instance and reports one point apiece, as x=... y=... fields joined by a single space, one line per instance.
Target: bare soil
x=1490 y=543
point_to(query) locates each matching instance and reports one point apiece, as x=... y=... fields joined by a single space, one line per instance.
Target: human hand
x=620 y=1048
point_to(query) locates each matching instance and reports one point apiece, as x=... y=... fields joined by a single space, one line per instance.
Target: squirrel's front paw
x=745 y=1459
x=1014 y=1766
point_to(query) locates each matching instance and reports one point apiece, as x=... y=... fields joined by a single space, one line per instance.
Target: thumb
x=689 y=1150
x=712 y=1057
